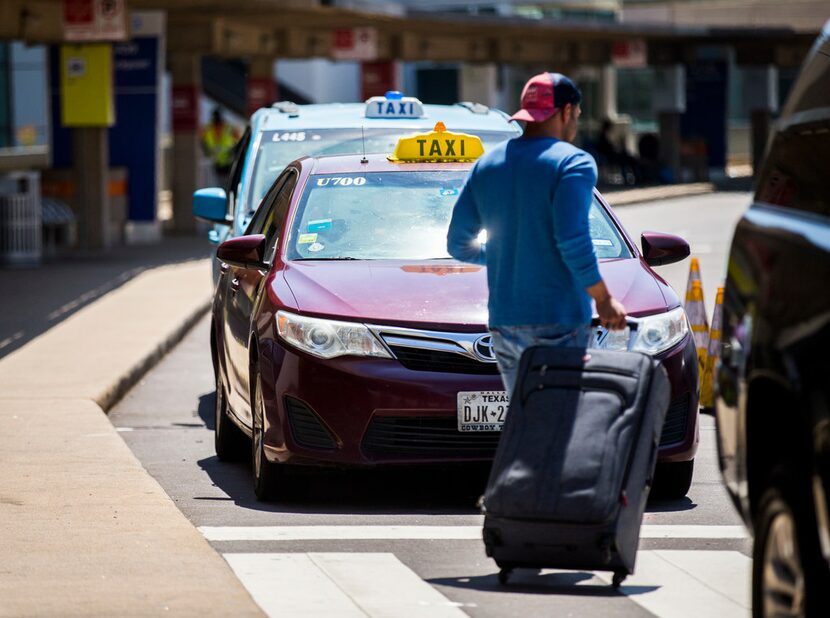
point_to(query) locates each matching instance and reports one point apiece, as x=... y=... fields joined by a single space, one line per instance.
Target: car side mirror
x=211 y=204
x=244 y=251
x=660 y=249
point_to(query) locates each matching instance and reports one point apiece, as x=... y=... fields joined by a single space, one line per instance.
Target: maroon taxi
x=342 y=333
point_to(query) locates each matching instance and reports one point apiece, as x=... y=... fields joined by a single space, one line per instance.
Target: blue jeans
x=510 y=341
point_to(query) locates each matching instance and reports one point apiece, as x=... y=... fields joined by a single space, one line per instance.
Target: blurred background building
x=701 y=78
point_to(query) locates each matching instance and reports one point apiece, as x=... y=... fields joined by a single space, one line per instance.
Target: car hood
x=435 y=293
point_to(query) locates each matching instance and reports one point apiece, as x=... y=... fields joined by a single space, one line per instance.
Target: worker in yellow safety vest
x=218 y=141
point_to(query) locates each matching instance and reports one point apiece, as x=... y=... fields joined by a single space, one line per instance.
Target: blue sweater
x=533 y=196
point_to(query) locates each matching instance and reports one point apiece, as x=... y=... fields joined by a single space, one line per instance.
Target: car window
x=794 y=174
x=235 y=172
x=359 y=216
x=270 y=219
x=279 y=148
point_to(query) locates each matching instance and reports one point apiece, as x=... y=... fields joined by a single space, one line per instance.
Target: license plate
x=482 y=410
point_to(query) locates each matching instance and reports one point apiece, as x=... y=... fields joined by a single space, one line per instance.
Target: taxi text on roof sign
x=439 y=146
x=394 y=105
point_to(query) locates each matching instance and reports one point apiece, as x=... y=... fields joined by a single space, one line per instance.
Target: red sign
x=94 y=20
x=377 y=78
x=355 y=44
x=261 y=91
x=184 y=101
x=78 y=12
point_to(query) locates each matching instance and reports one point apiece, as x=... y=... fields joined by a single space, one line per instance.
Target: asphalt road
x=406 y=543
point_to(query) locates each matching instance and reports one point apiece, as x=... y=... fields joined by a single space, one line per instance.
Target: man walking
x=533 y=195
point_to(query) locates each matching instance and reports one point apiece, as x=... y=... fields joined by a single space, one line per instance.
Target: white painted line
x=338 y=533
x=658 y=531
x=455 y=533
x=10 y=340
x=338 y=585
x=291 y=585
x=690 y=584
x=383 y=586
x=124 y=429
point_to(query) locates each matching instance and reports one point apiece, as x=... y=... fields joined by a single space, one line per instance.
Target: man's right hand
x=611 y=314
x=611 y=311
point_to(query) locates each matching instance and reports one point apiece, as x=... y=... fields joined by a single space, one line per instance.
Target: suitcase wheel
x=618 y=578
x=504 y=575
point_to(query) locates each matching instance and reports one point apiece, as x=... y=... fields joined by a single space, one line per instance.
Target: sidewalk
x=637 y=195
x=86 y=531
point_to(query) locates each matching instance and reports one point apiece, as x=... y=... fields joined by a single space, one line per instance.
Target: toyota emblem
x=484 y=349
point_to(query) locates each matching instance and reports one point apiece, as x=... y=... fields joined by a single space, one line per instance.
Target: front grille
x=306 y=428
x=421 y=359
x=426 y=437
x=674 y=428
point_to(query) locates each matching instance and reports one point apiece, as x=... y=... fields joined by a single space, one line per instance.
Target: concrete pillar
x=186 y=74
x=760 y=97
x=261 y=87
x=669 y=104
x=479 y=83
x=90 y=154
x=608 y=93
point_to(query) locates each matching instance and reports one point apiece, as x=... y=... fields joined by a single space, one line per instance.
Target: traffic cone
x=694 y=275
x=696 y=311
x=707 y=381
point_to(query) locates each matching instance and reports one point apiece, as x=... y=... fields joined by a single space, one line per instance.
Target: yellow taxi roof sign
x=438 y=146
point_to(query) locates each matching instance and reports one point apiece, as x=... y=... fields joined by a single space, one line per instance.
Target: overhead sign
x=630 y=54
x=355 y=44
x=94 y=20
x=86 y=85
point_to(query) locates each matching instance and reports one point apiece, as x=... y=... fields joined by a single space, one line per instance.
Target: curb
x=628 y=197
x=114 y=393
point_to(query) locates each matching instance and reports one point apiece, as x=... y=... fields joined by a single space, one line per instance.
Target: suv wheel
x=229 y=441
x=673 y=479
x=778 y=573
x=790 y=577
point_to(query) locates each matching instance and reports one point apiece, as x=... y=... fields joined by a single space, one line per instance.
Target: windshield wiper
x=325 y=259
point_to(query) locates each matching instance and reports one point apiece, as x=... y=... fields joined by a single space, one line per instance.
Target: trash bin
x=20 y=235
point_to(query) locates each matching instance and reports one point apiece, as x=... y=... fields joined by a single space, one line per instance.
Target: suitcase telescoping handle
x=633 y=325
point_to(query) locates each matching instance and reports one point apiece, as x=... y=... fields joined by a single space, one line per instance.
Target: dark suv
x=773 y=408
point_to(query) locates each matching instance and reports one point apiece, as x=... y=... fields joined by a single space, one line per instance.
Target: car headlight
x=328 y=338
x=655 y=333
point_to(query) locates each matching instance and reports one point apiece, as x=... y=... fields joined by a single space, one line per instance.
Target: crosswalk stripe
x=339 y=585
x=459 y=533
x=689 y=583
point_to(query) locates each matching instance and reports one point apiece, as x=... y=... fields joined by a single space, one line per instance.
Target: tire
x=268 y=477
x=789 y=575
x=672 y=480
x=228 y=440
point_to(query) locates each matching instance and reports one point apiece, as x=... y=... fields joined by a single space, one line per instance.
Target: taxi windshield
x=396 y=216
x=279 y=148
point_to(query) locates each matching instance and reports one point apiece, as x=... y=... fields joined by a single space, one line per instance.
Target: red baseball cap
x=544 y=95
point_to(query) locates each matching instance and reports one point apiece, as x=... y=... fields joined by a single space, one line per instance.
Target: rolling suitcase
x=575 y=461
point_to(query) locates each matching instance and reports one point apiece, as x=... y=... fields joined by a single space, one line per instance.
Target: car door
x=773 y=384
x=243 y=290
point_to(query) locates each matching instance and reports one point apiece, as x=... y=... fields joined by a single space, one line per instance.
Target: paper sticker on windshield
x=603 y=242
x=316 y=247
x=319 y=225
x=447 y=192
x=307 y=239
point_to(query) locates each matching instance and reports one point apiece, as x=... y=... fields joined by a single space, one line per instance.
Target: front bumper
x=365 y=411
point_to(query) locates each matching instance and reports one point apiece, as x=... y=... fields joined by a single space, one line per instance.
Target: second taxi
x=343 y=333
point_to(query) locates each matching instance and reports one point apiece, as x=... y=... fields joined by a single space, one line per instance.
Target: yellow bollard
x=707 y=380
